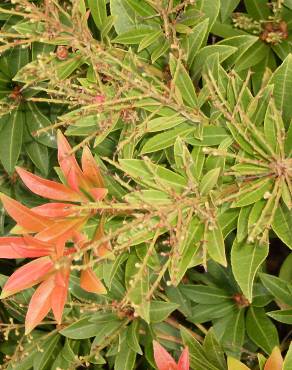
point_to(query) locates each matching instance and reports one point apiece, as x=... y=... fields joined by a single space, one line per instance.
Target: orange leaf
x=90 y=282
x=27 y=276
x=275 y=361
x=59 y=294
x=6 y=248
x=39 y=305
x=24 y=216
x=62 y=229
x=47 y=188
x=98 y=193
x=163 y=359
x=68 y=164
x=30 y=248
x=54 y=210
x=184 y=360
x=105 y=247
x=90 y=169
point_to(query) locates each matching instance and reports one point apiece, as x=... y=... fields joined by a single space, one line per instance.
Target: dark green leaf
x=279 y=288
x=246 y=260
x=261 y=330
x=160 y=310
x=11 y=140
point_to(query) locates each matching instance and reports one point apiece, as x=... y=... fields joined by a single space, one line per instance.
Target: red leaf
x=37 y=243
x=90 y=282
x=27 y=276
x=54 y=210
x=47 y=188
x=24 y=216
x=69 y=165
x=39 y=305
x=59 y=294
x=6 y=248
x=163 y=359
x=62 y=229
x=98 y=193
x=28 y=250
x=184 y=360
x=105 y=247
x=90 y=169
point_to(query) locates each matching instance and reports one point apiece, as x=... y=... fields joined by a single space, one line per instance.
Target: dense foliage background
x=186 y=106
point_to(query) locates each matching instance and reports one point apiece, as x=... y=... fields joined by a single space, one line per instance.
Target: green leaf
x=107 y=324
x=215 y=245
x=252 y=56
x=284 y=316
x=282 y=81
x=205 y=294
x=81 y=329
x=257 y=9
x=134 y=36
x=208 y=10
x=160 y=310
x=39 y=155
x=126 y=358
x=139 y=170
x=233 y=337
x=214 y=350
x=288 y=359
x=282 y=224
x=285 y=272
x=138 y=292
x=189 y=255
x=39 y=48
x=227 y=8
x=160 y=50
x=149 y=39
x=228 y=221
x=209 y=181
x=212 y=135
x=273 y=127
x=164 y=123
x=242 y=43
x=50 y=349
x=183 y=82
x=132 y=337
x=224 y=52
x=175 y=295
x=288 y=3
x=98 y=12
x=279 y=288
x=282 y=49
x=65 y=68
x=193 y=41
x=147 y=196
x=246 y=260
x=261 y=330
x=17 y=58
x=198 y=357
x=141 y=7
x=125 y=17
x=257 y=190
x=167 y=138
x=11 y=139
x=288 y=142
x=206 y=312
